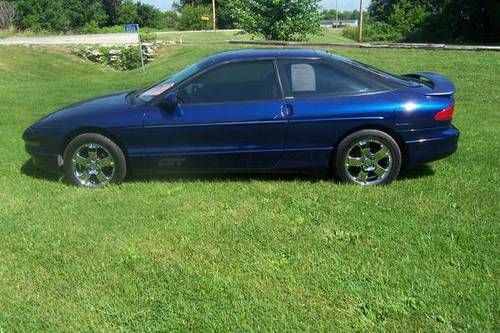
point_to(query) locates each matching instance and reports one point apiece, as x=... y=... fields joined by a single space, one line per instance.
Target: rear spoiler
x=441 y=85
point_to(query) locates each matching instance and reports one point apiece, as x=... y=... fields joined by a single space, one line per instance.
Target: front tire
x=93 y=160
x=368 y=157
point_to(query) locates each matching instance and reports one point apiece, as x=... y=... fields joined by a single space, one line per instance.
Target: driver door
x=228 y=117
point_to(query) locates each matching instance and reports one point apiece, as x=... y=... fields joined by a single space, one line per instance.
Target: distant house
x=339 y=23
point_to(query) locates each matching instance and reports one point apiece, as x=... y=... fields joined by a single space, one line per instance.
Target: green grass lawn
x=325 y=36
x=248 y=253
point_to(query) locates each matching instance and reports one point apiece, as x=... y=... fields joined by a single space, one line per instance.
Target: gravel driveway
x=101 y=39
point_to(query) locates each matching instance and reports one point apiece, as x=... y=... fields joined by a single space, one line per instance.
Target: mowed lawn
x=248 y=253
x=324 y=36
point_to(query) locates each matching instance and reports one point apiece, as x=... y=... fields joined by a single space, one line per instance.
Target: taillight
x=446 y=114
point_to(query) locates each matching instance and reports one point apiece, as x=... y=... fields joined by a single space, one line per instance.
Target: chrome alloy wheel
x=368 y=162
x=93 y=165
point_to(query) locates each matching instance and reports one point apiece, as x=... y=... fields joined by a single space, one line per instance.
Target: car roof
x=247 y=54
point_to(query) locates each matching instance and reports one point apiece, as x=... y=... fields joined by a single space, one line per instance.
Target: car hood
x=101 y=111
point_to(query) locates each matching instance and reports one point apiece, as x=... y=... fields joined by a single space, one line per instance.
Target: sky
x=328 y=4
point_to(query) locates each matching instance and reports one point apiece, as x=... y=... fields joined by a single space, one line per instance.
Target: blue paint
x=285 y=133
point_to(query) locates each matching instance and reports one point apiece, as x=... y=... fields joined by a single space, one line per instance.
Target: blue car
x=264 y=110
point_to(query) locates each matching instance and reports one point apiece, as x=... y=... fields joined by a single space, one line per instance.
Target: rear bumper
x=431 y=146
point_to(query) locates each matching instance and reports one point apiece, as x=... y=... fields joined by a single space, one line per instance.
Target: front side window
x=309 y=78
x=160 y=88
x=233 y=82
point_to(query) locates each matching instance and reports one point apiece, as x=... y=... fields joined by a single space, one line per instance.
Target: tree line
x=435 y=20
x=67 y=15
x=393 y=20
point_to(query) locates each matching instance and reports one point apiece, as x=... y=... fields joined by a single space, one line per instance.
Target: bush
x=120 y=58
x=190 y=18
x=81 y=15
x=129 y=58
x=374 y=32
x=171 y=19
x=278 y=19
x=148 y=37
x=90 y=28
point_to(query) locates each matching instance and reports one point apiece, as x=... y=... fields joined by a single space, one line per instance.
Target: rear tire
x=93 y=160
x=368 y=157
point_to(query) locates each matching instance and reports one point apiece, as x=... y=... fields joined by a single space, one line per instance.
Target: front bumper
x=44 y=146
x=51 y=164
x=431 y=145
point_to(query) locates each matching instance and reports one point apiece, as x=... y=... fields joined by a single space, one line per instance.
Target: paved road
x=101 y=39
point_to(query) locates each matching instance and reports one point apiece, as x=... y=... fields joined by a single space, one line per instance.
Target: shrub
x=120 y=58
x=148 y=37
x=171 y=19
x=278 y=19
x=190 y=18
x=90 y=28
x=374 y=32
x=129 y=58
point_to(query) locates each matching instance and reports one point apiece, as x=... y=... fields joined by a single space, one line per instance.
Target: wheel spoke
x=84 y=176
x=106 y=162
x=379 y=171
x=93 y=154
x=80 y=160
x=354 y=161
x=362 y=176
x=365 y=148
x=381 y=154
x=102 y=178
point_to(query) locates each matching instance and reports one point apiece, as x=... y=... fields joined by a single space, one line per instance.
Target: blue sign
x=131 y=27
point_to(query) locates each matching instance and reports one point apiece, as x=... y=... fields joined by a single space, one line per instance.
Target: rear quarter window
x=310 y=78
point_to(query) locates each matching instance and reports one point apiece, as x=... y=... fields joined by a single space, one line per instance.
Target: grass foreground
x=248 y=253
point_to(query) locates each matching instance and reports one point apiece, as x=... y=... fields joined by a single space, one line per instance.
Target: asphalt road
x=101 y=39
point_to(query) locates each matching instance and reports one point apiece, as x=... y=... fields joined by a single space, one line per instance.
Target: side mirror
x=169 y=101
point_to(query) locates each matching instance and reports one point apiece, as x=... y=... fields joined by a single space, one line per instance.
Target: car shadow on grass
x=226 y=177
x=421 y=171
x=28 y=169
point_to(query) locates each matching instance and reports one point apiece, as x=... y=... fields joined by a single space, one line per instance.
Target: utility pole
x=360 y=38
x=337 y=12
x=213 y=15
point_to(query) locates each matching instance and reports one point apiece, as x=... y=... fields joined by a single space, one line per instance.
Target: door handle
x=287 y=110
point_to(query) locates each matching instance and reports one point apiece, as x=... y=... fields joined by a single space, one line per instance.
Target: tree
x=127 y=13
x=171 y=19
x=83 y=12
x=112 y=7
x=7 y=14
x=64 y=15
x=149 y=16
x=330 y=14
x=224 y=18
x=278 y=19
x=190 y=18
x=465 y=21
x=441 y=20
x=407 y=16
x=42 y=15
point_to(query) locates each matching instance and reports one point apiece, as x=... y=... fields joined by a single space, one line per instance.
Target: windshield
x=158 y=89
